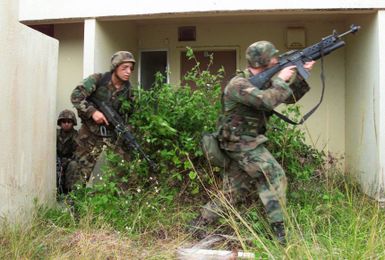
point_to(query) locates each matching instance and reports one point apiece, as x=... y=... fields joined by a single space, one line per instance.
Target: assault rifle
x=299 y=57
x=121 y=129
x=59 y=175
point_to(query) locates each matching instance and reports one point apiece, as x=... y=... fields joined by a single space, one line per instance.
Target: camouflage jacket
x=65 y=143
x=100 y=86
x=246 y=109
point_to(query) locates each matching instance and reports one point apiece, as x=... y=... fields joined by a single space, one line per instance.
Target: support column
x=89 y=47
x=381 y=114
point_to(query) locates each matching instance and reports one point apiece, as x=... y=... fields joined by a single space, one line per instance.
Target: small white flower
x=138 y=190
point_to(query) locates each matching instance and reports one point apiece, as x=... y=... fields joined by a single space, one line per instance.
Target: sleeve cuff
x=90 y=111
x=278 y=82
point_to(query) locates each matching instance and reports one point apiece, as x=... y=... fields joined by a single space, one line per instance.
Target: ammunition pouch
x=213 y=152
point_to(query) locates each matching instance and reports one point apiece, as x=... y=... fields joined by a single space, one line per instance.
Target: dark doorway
x=152 y=62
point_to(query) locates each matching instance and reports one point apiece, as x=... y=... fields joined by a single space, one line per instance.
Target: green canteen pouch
x=213 y=152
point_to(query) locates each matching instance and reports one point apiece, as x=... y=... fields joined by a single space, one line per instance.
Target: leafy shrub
x=168 y=122
x=288 y=145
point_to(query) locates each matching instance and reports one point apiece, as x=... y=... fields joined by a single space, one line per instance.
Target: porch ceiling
x=224 y=17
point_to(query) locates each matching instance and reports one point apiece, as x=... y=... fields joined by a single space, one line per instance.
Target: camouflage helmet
x=67 y=114
x=260 y=53
x=121 y=57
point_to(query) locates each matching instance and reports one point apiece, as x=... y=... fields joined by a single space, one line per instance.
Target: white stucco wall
x=56 y=9
x=365 y=105
x=112 y=37
x=381 y=113
x=70 y=68
x=27 y=104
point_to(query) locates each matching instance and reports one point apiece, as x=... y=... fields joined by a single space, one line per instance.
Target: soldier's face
x=124 y=71
x=66 y=125
x=272 y=62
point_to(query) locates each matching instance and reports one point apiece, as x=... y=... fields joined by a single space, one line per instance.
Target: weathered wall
x=112 y=37
x=27 y=104
x=70 y=68
x=365 y=109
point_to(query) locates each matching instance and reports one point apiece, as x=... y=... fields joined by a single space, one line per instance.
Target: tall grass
x=324 y=220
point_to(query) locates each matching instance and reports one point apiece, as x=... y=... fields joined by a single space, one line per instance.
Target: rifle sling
x=308 y=114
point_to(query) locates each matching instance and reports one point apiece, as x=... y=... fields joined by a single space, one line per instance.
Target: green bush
x=288 y=145
x=168 y=122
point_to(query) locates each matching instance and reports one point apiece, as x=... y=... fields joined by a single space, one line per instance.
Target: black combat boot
x=278 y=229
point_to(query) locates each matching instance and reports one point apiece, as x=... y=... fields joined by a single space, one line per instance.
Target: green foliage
x=288 y=145
x=170 y=121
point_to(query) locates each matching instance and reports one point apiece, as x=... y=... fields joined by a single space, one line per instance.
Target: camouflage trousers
x=90 y=147
x=248 y=171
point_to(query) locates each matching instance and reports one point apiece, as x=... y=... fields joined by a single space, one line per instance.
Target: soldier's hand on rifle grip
x=309 y=65
x=99 y=118
x=286 y=73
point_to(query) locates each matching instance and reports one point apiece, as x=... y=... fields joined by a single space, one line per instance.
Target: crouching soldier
x=246 y=110
x=65 y=145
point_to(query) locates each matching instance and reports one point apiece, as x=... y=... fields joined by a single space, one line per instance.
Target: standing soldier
x=246 y=111
x=96 y=133
x=65 y=145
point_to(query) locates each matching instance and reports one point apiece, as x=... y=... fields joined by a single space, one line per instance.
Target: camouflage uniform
x=246 y=111
x=65 y=145
x=91 y=141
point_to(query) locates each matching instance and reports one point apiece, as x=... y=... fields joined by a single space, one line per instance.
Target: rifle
x=120 y=128
x=59 y=175
x=299 y=57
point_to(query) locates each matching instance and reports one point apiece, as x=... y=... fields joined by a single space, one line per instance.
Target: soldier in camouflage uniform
x=246 y=111
x=96 y=134
x=65 y=144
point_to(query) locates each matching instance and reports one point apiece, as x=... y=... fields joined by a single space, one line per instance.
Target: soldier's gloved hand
x=99 y=118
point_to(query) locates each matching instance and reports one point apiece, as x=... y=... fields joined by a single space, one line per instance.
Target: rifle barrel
x=353 y=29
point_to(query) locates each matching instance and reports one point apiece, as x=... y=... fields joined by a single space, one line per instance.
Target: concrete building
x=350 y=121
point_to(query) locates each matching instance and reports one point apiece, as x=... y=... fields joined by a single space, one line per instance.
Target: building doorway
x=152 y=62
